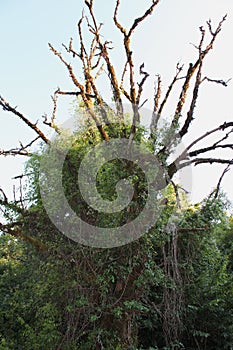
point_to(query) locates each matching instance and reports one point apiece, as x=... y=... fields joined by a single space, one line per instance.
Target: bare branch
x=213 y=147
x=119 y=26
x=174 y=167
x=190 y=113
x=73 y=93
x=126 y=94
x=23 y=150
x=158 y=110
x=128 y=52
x=217 y=81
x=178 y=71
x=141 y=84
x=193 y=67
x=144 y=16
x=7 y=107
x=52 y=123
x=198 y=161
x=143 y=103
x=5 y=200
x=222 y=127
x=191 y=70
x=123 y=75
x=14 y=152
x=85 y=97
x=155 y=115
x=157 y=94
x=134 y=97
x=70 y=49
x=216 y=191
x=177 y=164
x=207 y=149
x=104 y=53
x=69 y=67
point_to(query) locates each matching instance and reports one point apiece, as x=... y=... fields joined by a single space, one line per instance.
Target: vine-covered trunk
x=124 y=328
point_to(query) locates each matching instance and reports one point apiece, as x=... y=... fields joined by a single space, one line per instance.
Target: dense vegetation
x=171 y=289
x=168 y=288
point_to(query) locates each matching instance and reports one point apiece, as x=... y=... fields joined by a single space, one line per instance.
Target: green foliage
x=27 y=316
x=67 y=296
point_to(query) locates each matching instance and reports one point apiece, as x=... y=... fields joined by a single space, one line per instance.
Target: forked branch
x=7 y=107
x=21 y=151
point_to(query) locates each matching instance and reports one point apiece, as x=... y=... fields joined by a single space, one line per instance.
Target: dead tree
x=95 y=58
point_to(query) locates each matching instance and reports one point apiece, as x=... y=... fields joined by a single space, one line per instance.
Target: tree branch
x=197 y=161
x=104 y=53
x=141 y=84
x=190 y=73
x=178 y=71
x=85 y=97
x=217 y=81
x=220 y=180
x=15 y=232
x=22 y=150
x=222 y=127
x=155 y=115
x=7 y=107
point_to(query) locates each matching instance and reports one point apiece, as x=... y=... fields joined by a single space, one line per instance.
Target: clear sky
x=29 y=73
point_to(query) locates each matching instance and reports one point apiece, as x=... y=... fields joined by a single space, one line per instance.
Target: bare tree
x=95 y=58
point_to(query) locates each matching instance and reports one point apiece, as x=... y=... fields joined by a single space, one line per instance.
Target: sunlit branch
x=133 y=96
x=155 y=115
x=191 y=70
x=103 y=47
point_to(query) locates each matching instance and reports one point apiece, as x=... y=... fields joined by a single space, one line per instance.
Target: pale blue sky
x=29 y=73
